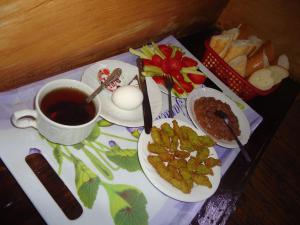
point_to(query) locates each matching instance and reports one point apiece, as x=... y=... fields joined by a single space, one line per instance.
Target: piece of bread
x=283 y=61
x=245 y=31
x=255 y=62
x=262 y=79
x=239 y=64
x=259 y=59
x=234 y=32
x=257 y=42
x=265 y=59
x=269 y=51
x=220 y=43
x=237 y=48
x=278 y=73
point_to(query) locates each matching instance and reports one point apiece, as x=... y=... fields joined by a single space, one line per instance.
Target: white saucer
x=109 y=110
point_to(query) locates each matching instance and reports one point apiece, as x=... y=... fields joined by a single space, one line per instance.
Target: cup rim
x=37 y=106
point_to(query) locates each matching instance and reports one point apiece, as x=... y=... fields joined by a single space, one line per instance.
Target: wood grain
x=40 y=38
x=275 y=20
x=272 y=195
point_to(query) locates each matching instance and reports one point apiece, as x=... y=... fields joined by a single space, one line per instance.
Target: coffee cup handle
x=25 y=118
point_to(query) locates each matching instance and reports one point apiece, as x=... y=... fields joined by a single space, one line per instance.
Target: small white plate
x=198 y=192
x=109 y=111
x=242 y=119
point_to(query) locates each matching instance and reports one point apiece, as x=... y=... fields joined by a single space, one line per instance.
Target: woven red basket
x=229 y=76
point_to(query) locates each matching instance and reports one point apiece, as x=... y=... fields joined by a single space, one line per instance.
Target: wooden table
x=15 y=207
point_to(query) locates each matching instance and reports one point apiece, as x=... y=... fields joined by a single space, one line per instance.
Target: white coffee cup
x=53 y=131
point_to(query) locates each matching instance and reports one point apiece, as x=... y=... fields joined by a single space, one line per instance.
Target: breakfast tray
x=103 y=203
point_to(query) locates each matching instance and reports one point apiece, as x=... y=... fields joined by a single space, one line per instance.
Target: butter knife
x=114 y=76
x=146 y=104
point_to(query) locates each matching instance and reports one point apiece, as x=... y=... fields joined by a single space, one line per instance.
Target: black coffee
x=67 y=106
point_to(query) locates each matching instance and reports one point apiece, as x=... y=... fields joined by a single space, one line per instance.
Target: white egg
x=127 y=97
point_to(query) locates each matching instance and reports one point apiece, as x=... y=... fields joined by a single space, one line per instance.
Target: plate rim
x=177 y=195
x=241 y=116
x=106 y=61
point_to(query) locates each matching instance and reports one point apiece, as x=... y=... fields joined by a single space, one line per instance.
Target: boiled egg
x=127 y=97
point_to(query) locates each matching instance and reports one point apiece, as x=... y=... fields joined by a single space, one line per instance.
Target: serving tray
x=103 y=173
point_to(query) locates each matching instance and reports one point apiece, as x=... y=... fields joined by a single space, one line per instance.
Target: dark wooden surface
x=273 y=108
x=272 y=196
x=15 y=207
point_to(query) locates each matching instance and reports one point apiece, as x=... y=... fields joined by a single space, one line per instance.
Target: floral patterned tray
x=102 y=172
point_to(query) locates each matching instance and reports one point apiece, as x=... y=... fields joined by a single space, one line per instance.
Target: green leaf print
x=94 y=134
x=126 y=159
x=127 y=204
x=58 y=155
x=78 y=146
x=98 y=164
x=104 y=123
x=136 y=133
x=87 y=183
x=240 y=105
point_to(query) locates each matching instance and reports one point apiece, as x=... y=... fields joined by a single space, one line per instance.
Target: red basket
x=229 y=76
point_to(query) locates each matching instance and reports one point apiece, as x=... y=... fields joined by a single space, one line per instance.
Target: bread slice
x=234 y=32
x=259 y=59
x=220 y=43
x=257 y=42
x=266 y=78
x=224 y=51
x=237 y=48
x=269 y=51
x=262 y=79
x=283 y=61
x=255 y=62
x=245 y=31
x=265 y=59
x=278 y=73
x=239 y=64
